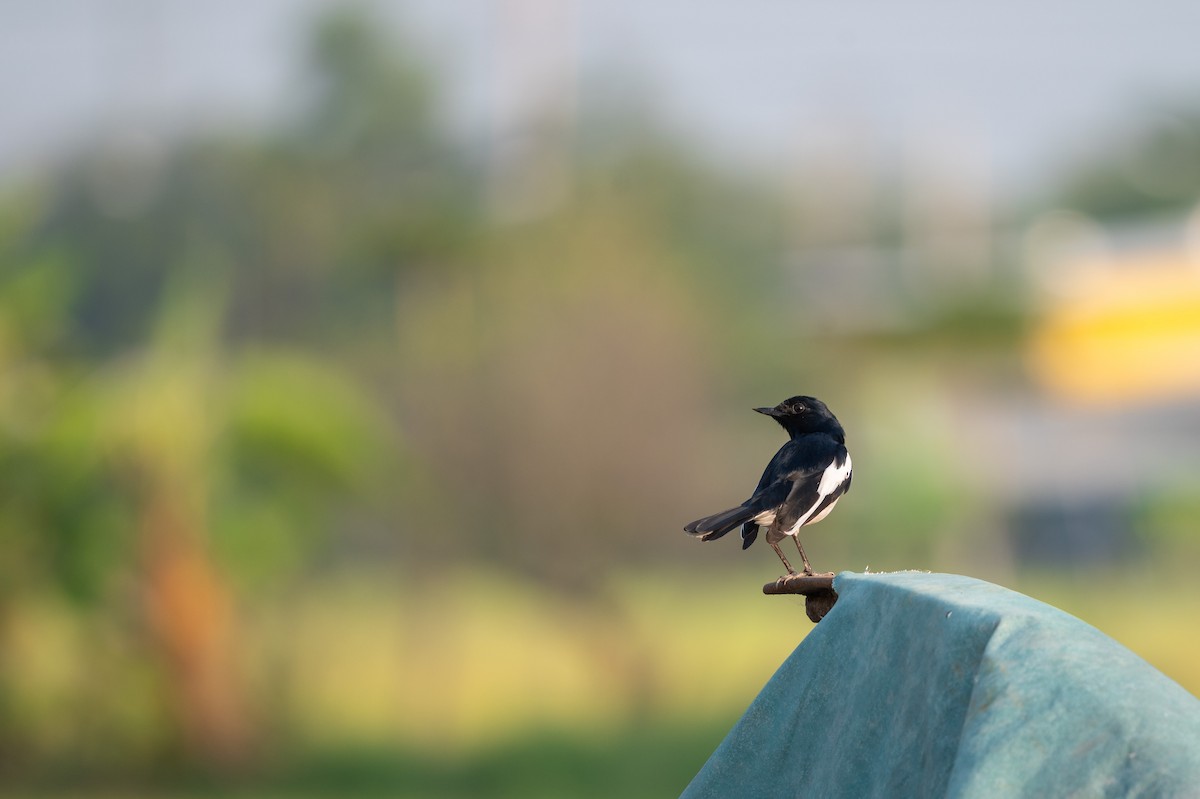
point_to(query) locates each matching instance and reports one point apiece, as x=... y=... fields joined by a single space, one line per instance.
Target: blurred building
x=1114 y=357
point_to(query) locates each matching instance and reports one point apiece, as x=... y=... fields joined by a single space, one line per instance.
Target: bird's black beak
x=768 y=411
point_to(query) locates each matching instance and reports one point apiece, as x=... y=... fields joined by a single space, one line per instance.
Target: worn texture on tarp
x=929 y=685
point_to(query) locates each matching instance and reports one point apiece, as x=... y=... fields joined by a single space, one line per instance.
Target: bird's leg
x=779 y=552
x=803 y=557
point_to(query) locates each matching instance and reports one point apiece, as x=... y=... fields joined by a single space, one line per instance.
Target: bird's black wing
x=823 y=475
x=797 y=463
x=769 y=494
x=798 y=459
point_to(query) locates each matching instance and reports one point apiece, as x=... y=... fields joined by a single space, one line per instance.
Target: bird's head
x=801 y=414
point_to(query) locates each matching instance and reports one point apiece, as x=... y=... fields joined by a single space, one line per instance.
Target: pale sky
x=1022 y=84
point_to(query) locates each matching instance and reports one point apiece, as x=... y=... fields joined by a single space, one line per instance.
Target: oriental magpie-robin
x=800 y=486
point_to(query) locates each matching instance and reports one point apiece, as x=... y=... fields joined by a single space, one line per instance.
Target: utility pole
x=533 y=108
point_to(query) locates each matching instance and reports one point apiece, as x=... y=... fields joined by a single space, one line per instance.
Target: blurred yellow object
x=1128 y=331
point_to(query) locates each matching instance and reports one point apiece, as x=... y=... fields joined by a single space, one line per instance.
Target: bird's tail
x=713 y=527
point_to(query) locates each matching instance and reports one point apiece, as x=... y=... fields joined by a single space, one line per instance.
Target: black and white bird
x=800 y=486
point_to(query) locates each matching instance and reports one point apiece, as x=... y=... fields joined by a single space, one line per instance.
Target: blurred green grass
x=478 y=684
x=648 y=760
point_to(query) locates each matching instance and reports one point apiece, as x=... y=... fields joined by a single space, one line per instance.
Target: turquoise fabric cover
x=930 y=685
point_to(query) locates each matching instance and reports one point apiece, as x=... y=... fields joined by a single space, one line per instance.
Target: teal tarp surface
x=929 y=685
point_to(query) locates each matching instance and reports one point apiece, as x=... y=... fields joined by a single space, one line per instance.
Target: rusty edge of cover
x=816 y=588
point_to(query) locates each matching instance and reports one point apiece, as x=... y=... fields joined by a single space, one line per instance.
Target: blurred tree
x=320 y=218
x=368 y=96
x=32 y=302
x=552 y=387
x=153 y=417
x=176 y=419
x=1149 y=165
x=150 y=465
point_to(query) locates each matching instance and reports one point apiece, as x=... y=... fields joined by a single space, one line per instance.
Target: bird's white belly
x=767 y=518
x=820 y=515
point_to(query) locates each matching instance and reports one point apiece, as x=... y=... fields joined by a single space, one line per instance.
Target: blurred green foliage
x=1144 y=166
x=316 y=476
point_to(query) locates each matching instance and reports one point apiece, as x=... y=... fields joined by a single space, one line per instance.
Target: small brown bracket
x=816 y=588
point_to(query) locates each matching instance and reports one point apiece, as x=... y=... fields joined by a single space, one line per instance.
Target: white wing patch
x=834 y=476
x=831 y=480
